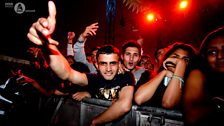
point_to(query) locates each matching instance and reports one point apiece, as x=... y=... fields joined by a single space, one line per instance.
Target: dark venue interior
x=119 y=21
x=189 y=25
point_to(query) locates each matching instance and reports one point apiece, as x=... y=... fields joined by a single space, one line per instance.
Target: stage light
x=183 y=4
x=150 y=17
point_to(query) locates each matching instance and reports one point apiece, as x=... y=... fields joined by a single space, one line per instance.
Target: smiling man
x=119 y=86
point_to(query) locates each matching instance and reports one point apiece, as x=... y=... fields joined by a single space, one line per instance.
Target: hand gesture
x=44 y=27
x=170 y=63
x=71 y=35
x=122 y=69
x=90 y=30
x=174 y=64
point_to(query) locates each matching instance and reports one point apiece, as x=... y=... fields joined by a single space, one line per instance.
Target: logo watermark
x=18 y=7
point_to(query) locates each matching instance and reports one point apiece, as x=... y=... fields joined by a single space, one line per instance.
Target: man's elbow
x=167 y=104
x=126 y=107
x=138 y=100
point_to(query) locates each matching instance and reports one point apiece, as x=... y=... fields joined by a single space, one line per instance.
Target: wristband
x=80 y=41
x=179 y=78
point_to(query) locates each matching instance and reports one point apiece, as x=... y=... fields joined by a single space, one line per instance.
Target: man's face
x=89 y=59
x=131 y=57
x=146 y=63
x=108 y=65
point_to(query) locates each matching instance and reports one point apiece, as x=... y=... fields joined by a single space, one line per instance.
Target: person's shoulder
x=147 y=72
x=140 y=69
x=92 y=75
x=196 y=72
x=127 y=73
x=196 y=76
x=127 y=78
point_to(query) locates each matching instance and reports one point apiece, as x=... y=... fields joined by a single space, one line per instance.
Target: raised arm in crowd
x=108 y=63
x=78 y=49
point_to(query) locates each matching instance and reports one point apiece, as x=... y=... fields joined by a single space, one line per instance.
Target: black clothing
x=108 y=89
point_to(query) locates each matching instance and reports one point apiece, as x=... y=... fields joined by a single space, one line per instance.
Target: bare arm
x=173 y=92
x=147 y=90
x=194 y=103
x=43 y=28
x=79 y=50
x=118 y=108
x=61 y=67
x=71 y=36
x=35 y=85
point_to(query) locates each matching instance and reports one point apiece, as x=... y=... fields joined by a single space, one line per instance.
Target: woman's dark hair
x=214 y=34
x=178 y=45
x=204 y=66
x=214 y=80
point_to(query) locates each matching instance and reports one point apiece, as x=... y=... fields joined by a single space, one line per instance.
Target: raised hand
x=90 y=30
x=170 y=62
x=44 y=27
x=71 y=35
x=122 y=69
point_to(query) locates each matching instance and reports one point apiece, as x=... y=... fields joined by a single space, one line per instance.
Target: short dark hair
x=146 y=56
x=131 y=43
x=156 y=52
x=95 y=48
x=108 y=49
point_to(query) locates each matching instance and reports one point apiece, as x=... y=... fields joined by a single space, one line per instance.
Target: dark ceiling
x=74 y=15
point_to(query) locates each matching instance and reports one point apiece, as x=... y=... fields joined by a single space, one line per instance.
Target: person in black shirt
x=108 y=62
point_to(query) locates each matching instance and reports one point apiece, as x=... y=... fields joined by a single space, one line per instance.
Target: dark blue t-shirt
x=108 y=89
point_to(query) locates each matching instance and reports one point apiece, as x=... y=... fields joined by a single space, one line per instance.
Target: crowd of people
x=182 y=78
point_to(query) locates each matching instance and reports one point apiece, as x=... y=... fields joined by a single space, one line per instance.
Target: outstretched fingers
x=93 y=28
x=43 y=28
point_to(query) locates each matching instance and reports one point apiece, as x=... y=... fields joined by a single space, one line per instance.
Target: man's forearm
x=114 y=112
x=58 y=63
x=118 y=108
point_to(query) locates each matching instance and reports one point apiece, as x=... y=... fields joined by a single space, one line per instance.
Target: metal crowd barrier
x=72 y=113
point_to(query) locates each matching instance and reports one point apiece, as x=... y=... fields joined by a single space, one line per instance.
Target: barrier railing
x=81 y=114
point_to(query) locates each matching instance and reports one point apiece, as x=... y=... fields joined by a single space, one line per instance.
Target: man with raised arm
x=78 y=47
x=119 y=86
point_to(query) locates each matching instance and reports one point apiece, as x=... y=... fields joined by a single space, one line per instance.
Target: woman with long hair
x=203 y=98
x=165 y=88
